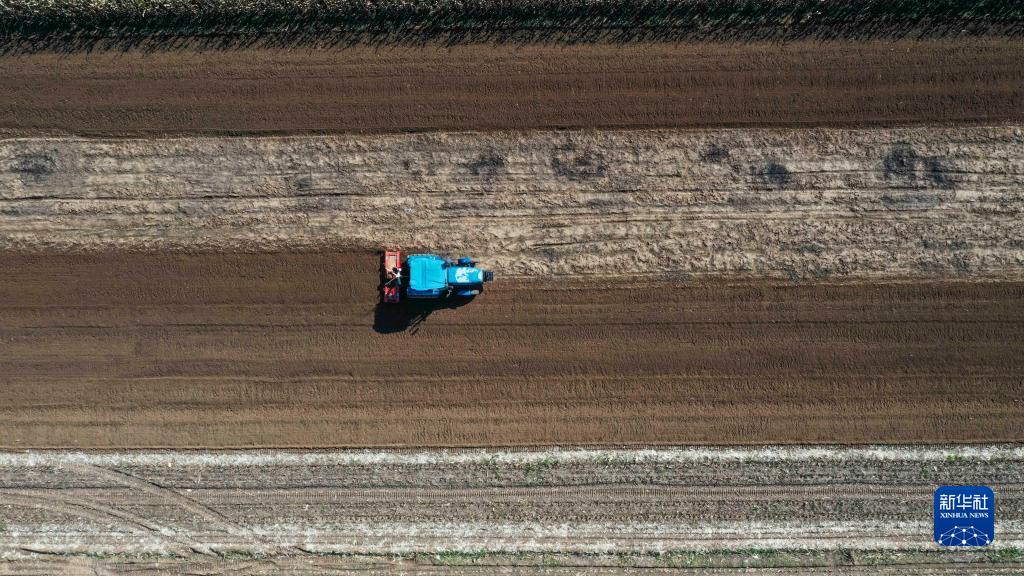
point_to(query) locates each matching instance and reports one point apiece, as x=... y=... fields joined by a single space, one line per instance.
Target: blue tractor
x=431 y=277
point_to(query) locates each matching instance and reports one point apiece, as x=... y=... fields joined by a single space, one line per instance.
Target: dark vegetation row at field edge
x=41 y=23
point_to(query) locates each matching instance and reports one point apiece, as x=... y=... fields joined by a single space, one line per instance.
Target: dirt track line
x=63 y=504
x=126 y=479
x=259 y=326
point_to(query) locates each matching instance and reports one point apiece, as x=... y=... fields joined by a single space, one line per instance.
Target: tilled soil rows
x=652 y=508
x=814 y=203
x=533 y=566
x=487 y=87
x=761 y=273
x=148 y=350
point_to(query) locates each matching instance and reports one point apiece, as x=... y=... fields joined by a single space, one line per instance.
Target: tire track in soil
x=90 y=510
x=289 y=349
x=125 y=479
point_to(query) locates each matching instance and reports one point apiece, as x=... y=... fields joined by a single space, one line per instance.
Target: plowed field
x=782 y=261
x=474 y=87
x=291 y=350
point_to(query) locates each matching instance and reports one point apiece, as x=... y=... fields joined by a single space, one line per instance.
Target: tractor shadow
x=407 y=316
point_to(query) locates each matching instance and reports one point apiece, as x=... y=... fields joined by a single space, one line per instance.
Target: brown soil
x=286 y=350
x=497 y=87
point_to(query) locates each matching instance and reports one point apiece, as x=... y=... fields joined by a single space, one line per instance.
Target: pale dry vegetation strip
x=823 y=203
x=794 y=562
x=875 y=456
x=650 y=507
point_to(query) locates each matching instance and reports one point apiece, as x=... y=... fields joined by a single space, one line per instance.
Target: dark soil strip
x=493 y=87
x=293 y=350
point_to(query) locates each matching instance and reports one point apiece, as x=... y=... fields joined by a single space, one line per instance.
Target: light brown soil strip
x=794 y=203
x=113 y=351
x=501 y=87
x=590 y=508
x=302 y=566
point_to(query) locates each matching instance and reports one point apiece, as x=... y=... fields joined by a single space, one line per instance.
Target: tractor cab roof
x=426 y=272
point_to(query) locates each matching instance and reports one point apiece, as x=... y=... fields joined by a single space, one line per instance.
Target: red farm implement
x=392 y=276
